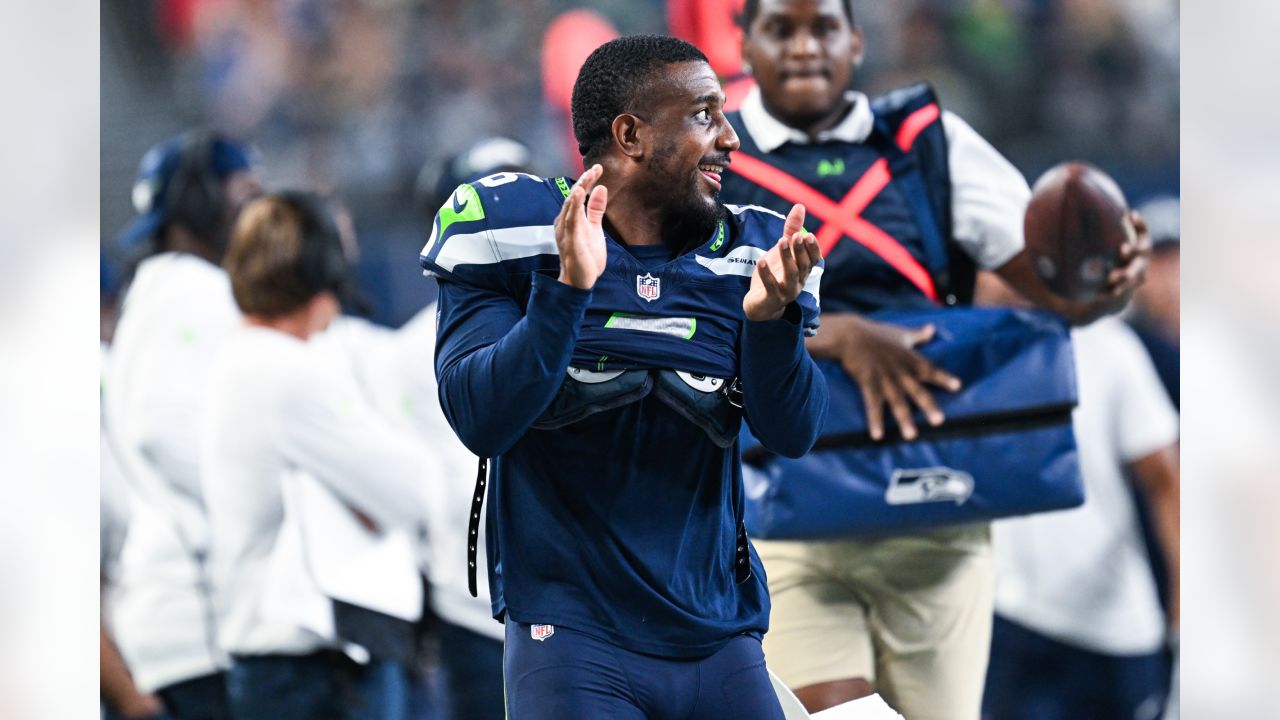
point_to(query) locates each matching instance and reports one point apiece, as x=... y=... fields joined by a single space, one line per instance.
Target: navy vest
x=918 y=194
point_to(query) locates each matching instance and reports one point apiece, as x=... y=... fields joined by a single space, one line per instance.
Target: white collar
x=769 y=133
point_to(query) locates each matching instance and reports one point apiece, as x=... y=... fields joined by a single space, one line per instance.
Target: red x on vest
x=845 y=218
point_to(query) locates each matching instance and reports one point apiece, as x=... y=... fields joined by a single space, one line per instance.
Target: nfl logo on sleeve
x=542 y=632
x=648 y=287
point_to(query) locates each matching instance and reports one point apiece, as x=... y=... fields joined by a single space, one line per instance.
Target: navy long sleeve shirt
x=624 y=524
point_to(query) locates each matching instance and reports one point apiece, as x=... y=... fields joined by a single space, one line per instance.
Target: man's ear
x=631 y=135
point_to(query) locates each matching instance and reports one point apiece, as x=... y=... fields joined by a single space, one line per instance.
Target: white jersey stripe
x=493 y=246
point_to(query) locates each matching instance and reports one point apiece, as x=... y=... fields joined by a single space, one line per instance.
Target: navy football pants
x=572 y=675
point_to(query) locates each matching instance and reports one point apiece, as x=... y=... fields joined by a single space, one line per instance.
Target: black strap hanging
x=473 y=526
x=741 y=556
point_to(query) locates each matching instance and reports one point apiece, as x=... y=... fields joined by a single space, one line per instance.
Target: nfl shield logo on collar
x=542 y=632
x=648 y=287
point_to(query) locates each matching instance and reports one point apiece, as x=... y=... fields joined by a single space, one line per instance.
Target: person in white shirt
x=120 y=695
x=175 y=313
x=1079 y=629
x=295 y=460
x=906 y=615
x=389 y=367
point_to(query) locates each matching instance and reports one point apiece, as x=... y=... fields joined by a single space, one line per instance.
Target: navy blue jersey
x=625 y=524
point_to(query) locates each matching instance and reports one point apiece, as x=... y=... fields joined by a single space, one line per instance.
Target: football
x=1075 y=224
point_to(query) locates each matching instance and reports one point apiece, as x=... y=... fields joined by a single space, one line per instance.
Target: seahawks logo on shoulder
x=464 y=205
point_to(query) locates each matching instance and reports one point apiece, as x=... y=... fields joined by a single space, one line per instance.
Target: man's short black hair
x=752 y=8
x=611 y=80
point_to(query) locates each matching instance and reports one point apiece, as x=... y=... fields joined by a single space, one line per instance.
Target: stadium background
x=54 y=52
x=363 y=98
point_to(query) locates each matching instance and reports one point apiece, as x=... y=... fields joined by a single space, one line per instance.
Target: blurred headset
x=323 y=265
x=196 y=195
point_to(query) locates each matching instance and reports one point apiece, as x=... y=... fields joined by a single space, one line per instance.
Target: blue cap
x=156 y=172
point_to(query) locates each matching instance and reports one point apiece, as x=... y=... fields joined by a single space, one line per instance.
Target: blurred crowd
x=384 y=106
x=359 y=97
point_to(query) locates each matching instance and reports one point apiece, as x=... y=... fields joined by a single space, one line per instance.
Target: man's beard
x=687 y=218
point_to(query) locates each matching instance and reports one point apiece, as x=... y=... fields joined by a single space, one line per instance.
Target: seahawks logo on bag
x=923 y=485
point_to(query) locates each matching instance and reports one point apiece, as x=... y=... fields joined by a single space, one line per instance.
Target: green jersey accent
x=828 y=168
x=563 y=185
x=719 y=237
x=464 y=206
x=683 y=328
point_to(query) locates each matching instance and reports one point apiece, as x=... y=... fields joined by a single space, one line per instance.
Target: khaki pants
x=909 y=613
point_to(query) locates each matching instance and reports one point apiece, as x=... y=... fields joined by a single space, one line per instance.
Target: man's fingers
x=588 y=178
x=804 y=260
x=596 y=204
x=813 y=250
x=921 y=335
x=923 y=399
x=790 y=270
x=874 y=404
x=1127 y=277
x=766 y=277
x=573 y=209
x=795 y=221
x=1140 y=229
x=901 y=411
x=1127 y=252
x=934 y=375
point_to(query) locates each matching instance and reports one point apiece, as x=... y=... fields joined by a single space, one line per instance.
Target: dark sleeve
x=784 y=395
x=498 y=365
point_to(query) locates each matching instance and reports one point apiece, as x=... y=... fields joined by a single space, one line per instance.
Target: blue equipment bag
x=1006 y=447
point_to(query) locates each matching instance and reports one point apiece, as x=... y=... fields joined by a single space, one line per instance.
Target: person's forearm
x=117 y=688
x=1157 y=477
x=493 y=394
x=784 y=395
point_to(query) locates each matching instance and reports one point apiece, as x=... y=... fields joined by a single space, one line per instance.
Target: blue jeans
x=559 y=673
x=471 y=670
x=324 y=685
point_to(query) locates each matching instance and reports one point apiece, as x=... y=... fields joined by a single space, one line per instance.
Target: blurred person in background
x=311 y=495
x=120 y=695
x=1156 y=314
x=618 y=559
x=175 y=314
x=908 y=616
x=1079 y=630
